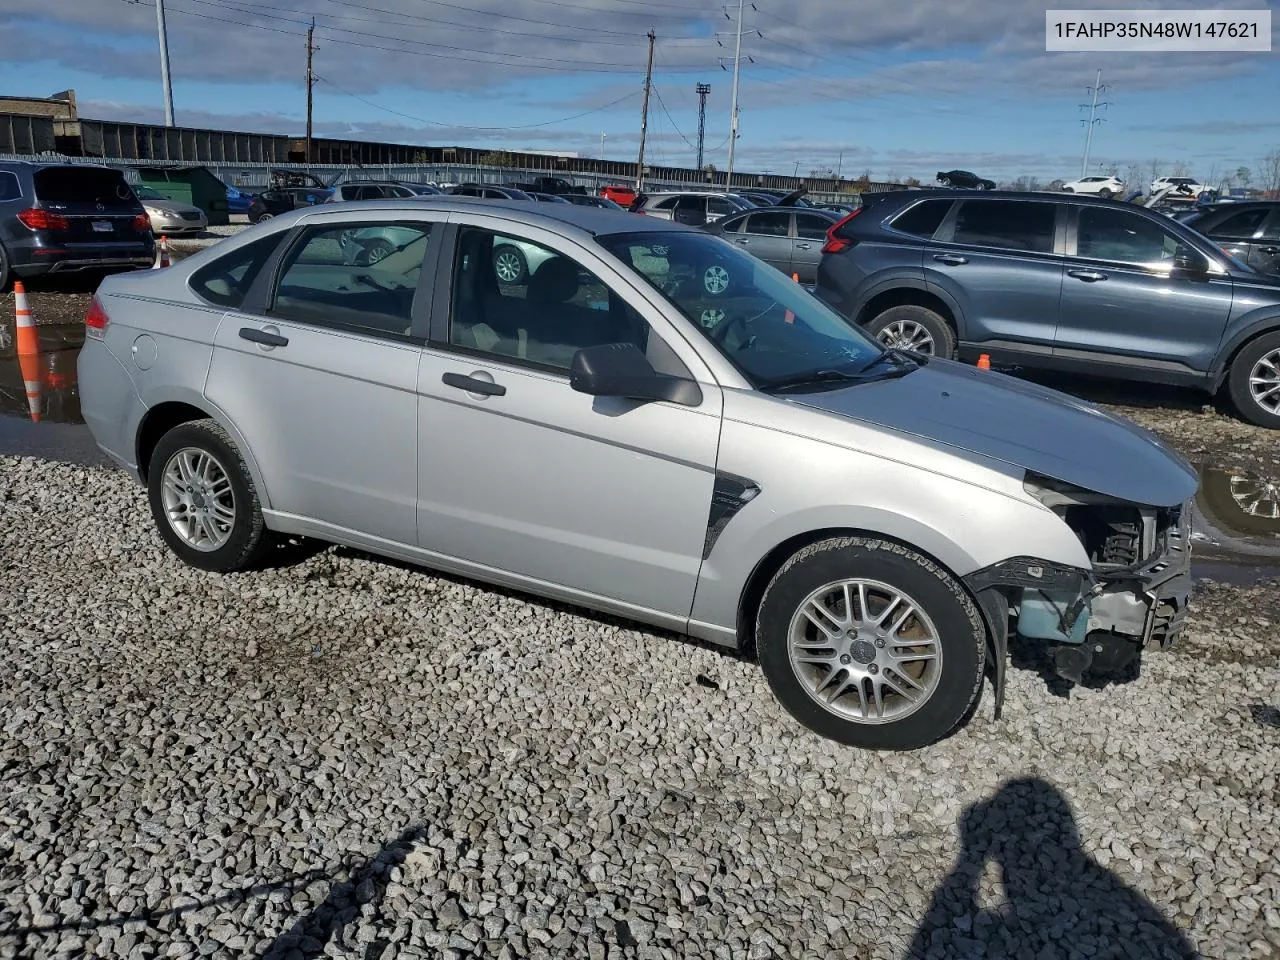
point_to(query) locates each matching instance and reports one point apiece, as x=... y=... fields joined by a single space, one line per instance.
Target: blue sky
x=901 y=90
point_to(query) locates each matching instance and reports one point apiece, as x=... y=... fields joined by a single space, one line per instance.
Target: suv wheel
x=871 y=644
x=1105 y=193
x=916 y=328
x=510 y=265
x=1068 y=190
x=202 y=498
x=1254 y=381
x=4 y=269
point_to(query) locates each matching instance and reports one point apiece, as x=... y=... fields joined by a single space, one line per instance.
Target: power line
x=669 y=118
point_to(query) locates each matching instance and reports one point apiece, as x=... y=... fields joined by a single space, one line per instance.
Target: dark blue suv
x=64 y=218
x=1058 y=282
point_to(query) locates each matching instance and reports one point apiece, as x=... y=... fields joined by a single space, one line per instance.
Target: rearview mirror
x=1187 y=260
x=622 y=370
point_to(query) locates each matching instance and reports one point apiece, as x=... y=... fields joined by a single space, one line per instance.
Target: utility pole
x=703 y=90
x=839 y=164
x=733 y=110
x=1096 y=89
x=164 y=64
x=644 y=114
x=602 y=136
x=311 y=82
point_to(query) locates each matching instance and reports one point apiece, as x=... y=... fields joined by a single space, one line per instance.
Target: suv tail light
x=95 y=321
x=36 y=219
x=834 y=243
x=142 y=223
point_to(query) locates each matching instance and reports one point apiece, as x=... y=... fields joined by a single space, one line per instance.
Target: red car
x=622 y=196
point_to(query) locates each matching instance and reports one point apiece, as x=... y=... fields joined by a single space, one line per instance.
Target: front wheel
x=870 y=644
x=1254 y=381
x=915 y=328
x=203 y=500
x=510 y=264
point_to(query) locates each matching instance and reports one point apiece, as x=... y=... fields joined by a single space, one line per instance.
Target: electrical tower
x=703 y=90
x=1097 y=88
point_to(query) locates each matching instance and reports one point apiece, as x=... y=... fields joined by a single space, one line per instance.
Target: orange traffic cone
x=984 y=362
x=30 y=366
x=28 y=341
x=162 y=256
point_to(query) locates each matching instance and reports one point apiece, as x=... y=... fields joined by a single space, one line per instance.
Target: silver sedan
x=652 y=423
x=171 y=217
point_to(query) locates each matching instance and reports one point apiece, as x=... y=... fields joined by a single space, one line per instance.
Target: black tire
x=375 y=251
x=249 y=537
x=1105 y=193
x=6 y=273
x=944 y=338
x=961 y=637
x=1068 y=190
x=1238 y=380
x=504 y=255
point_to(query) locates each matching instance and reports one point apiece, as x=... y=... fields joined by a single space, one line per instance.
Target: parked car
x=840 y=208
x=788 y=238
x=769 y=479
x=556 y=186
x=65 y=218
x=693 y=207
x=548 y=198
x=1248 y=230
x=1184 y=185
x=586 y=200
x=1060 y=282
x=371 y=190
x=963 y=178
x=238 y=201
x=1105 y=187
x=272 y=203
x=170 y=217
x=489 y=192
x=620 y=194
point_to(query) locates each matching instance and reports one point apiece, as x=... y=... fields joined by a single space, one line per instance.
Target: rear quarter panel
x=848 y=280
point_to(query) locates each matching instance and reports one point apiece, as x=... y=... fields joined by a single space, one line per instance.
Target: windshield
x=769 y=327
x=147 y=193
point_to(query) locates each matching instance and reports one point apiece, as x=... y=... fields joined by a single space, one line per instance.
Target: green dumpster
x=195 y=185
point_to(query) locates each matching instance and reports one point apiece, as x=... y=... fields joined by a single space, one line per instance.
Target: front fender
x=1239 y=332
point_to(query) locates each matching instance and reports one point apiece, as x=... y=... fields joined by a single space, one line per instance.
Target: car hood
x=1021 y=424
x=171 y=206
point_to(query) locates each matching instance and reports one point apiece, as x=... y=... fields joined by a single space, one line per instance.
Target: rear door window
x=359 y=277
x=1006 y=224
x=10 y=189
x=82 y=185
x=811 y=227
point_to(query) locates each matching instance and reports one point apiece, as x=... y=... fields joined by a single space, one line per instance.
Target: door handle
x=474 y=384
x=265 y=337
x=1269 y=250
x=802 y=246
x=742 y=240
x=1088 y=276
x=952 y=258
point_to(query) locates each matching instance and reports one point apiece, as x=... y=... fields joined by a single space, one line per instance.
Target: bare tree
x=1211 y=181
x=1156 y=166
x=1181 y=169
x=1243 y=176
x=1269 y=172
x=1133 y=177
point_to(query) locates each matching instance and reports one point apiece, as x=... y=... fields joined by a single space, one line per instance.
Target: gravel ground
x=340 y=756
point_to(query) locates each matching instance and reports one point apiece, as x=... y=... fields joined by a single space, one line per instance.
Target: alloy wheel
x=1264 y=382
x=199 y=502
x=865 y=651
x=907 y=335
x=715 y=279
x=507 y=265
x=1256 y=497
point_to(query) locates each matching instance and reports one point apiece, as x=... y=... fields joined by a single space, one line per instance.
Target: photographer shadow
x=1058 y=901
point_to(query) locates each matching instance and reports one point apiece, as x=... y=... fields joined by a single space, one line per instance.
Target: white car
x=1183 y=185
x=1099 y=186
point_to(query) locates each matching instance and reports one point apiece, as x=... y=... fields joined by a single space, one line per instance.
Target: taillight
x=142 y=223
x=836 y=244
x=95 y=321
x=36 y=219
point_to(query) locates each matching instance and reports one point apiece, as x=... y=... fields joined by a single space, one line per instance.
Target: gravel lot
x=340 y=756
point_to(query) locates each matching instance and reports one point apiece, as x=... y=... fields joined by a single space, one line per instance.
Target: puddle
x=47 y=423
x=1236 y=526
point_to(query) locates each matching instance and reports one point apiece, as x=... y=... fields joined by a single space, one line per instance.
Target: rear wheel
x=1068 y=190
x=203 y=500
x=5 y=271
x=1104 y=193
x=871 y=644
x=913 y=327
x=510 y=264
x=1254 y=381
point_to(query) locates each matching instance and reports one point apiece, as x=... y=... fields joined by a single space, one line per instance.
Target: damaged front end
x=1134 y=596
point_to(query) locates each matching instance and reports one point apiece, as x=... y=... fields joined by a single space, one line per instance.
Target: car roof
x=789 y=208
x=592 y=220
x=956 y=193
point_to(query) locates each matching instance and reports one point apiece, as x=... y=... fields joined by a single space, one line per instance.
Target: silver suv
x=730 y=460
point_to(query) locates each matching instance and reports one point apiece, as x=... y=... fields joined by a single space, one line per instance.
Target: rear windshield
x=82 y=185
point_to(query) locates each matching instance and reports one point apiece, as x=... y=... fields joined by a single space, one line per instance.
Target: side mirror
x=622 y=370
x=1186 y=260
